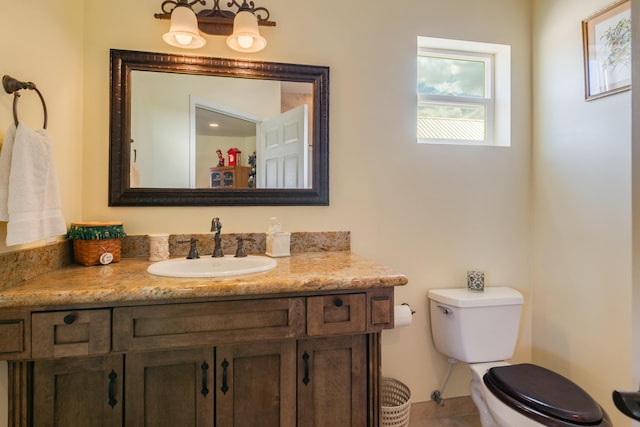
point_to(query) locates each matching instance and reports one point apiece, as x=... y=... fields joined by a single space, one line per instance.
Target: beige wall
x=42 y=42
x=582 y=296
x=431 y=212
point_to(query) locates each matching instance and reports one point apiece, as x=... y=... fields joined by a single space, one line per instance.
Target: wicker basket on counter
x=96 y=243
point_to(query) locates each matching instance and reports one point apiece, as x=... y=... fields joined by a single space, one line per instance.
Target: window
x=460 y=98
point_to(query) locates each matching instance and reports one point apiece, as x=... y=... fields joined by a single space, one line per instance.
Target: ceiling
x=235 y=127
x=227 y=125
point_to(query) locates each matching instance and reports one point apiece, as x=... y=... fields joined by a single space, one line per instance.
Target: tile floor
x=460 y=421
x=456 y=412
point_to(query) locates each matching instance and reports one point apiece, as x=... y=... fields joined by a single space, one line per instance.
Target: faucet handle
x=240 y=251
x=193 y=250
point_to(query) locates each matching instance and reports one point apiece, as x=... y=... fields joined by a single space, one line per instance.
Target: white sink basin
x=207 y=266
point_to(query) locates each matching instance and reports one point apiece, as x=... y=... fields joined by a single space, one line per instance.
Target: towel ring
x=12 y=85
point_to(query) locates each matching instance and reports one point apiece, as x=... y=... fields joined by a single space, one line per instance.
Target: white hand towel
x=5 y=168
x=34 y=197
x=134 y=175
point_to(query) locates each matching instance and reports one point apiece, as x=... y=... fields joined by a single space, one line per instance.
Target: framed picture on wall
x=606 y=40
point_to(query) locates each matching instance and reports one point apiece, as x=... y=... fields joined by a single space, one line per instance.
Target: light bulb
x=183 y=31
x=245 y=41
x=245 y=36
x=184 y=40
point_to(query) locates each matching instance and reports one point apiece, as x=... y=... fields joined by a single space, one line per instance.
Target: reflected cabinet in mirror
x=200 y=131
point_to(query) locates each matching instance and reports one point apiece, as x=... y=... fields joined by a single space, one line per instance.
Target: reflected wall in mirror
x=188 y=130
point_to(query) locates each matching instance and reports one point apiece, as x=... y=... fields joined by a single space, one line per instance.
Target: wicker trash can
x=395 y=398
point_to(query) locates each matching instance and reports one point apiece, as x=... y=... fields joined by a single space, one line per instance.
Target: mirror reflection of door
x=282 y=150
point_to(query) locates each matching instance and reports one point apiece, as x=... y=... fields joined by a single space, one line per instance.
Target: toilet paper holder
x=412 y=310
x=403 y=315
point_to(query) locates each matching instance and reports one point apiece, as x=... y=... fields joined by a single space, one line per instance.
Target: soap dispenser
x=278 y=242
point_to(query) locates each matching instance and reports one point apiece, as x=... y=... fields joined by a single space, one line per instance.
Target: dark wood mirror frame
x=120 y=192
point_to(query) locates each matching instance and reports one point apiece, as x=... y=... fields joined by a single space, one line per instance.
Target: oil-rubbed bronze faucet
x=216 y=227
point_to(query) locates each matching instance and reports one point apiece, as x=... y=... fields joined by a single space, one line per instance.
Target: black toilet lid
x=545 y=392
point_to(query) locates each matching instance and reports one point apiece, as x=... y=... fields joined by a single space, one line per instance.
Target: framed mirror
x=201 y=131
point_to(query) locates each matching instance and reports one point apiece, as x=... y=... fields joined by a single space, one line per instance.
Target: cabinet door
x=170 y=388
x=215 y=179
x=256 y=384
x=332 y=382
x=227 y=178
x=78 y=392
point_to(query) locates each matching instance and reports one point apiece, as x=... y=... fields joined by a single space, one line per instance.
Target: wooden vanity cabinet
x=308 y=361
x=254 y=385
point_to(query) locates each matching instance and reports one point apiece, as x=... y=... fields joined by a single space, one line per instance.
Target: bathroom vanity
x=114 y=345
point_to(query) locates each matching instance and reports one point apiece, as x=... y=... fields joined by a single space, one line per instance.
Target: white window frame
x=497 y=101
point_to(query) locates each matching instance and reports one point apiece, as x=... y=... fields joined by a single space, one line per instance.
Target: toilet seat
x=544 y=396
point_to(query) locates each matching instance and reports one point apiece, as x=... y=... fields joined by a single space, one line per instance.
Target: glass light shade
x=246 y=37
x=184 y=29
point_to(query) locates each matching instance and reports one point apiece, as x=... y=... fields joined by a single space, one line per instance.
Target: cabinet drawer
x=211 y=323
x=14 y=335
x=70 y=333
x=380 y=309
x=336 y=314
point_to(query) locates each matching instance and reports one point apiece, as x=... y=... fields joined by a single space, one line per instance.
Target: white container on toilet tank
x=475 y=327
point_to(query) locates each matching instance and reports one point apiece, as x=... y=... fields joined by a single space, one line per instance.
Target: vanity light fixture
x=183 y=31
x=240 y=25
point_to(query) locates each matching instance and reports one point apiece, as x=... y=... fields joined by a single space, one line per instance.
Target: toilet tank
x=474 y=327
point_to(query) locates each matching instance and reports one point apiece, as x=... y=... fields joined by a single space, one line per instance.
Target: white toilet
x=481 y=329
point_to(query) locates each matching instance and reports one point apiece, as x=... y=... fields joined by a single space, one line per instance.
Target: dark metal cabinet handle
x=338 y=302
x=205 y=368
x=305 y=360
x=112 y=384
x=69 y=319
x=225 y=387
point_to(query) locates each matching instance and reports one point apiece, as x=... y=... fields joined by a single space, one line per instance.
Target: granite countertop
x=128 y=280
